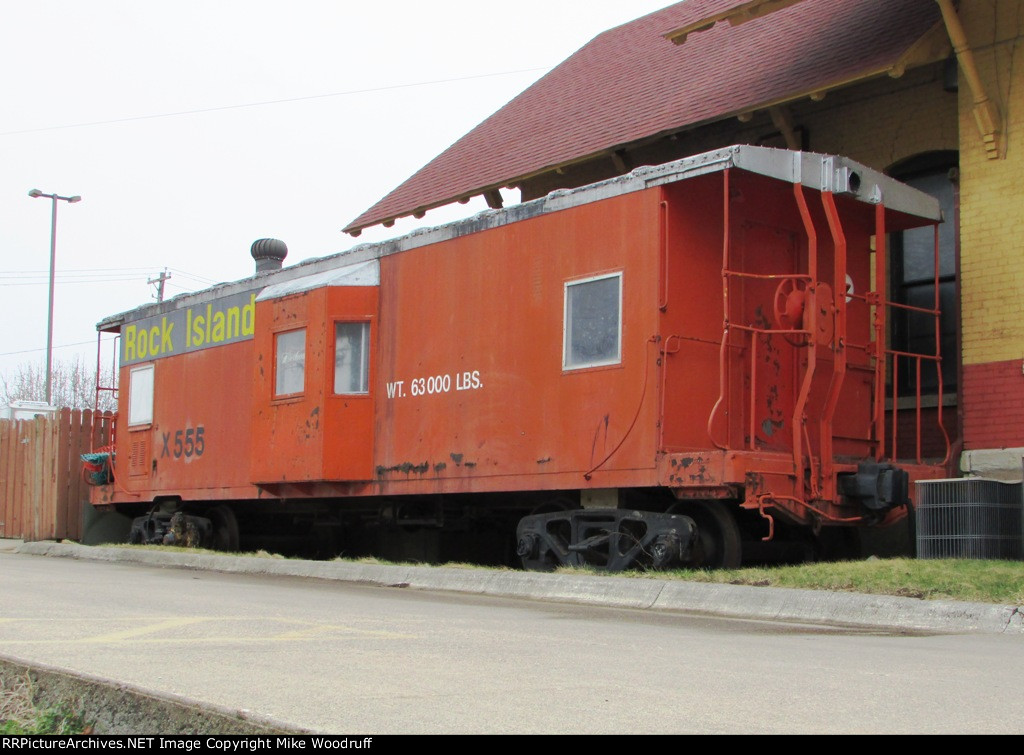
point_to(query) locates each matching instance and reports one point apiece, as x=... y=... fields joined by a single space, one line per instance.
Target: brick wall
x=884 y=121
x=994 y=404
x=992 y=233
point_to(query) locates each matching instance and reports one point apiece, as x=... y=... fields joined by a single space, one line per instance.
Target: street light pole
x=35 y=193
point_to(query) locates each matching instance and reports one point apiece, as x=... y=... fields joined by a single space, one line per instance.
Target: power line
x=193 y=276
x=70 y=276
x=77 y=270
x=269 y=102
x=186 y=289
x=64 y=282
x=43 y=348
x=88 y=275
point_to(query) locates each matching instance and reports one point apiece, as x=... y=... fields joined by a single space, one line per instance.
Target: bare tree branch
x=74 y=385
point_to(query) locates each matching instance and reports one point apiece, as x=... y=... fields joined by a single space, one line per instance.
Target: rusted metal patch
x=405 y=468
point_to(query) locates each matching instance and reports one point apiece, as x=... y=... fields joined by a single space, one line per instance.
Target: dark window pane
x=592 y=322
x=913 y=283
x=919 y=243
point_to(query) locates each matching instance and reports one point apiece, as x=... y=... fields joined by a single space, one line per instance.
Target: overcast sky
x=191 y=129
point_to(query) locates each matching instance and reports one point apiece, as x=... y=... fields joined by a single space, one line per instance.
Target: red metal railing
x=820 y=483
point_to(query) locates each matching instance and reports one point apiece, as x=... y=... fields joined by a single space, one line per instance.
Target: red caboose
x=664 y=367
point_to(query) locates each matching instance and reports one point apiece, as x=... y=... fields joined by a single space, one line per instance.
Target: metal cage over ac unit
x=970 y=518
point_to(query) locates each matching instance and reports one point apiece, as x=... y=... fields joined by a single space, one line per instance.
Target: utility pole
x=159 y=281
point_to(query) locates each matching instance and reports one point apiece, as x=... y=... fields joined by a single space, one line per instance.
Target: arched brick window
x=912 y=278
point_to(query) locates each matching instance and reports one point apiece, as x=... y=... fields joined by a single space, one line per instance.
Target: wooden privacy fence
x=42 y=486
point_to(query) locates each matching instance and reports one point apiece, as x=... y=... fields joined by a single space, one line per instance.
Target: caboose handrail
x=799 y=426
x=723 y=347
x=839 y=351
x=99 y=387
x=881 y=314
x=935 y=312
x=770 y=276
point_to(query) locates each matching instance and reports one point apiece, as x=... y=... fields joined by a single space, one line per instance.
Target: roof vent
x=269 y=254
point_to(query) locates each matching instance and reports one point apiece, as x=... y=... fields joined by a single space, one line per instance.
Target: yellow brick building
x=991 y=248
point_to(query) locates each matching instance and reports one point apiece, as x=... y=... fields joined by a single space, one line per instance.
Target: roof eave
x=739 y=14
x=931 y=47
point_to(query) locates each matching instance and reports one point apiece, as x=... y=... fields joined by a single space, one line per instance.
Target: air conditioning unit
x=970 y=518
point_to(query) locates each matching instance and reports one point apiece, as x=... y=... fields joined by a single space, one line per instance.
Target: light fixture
x=35 y=194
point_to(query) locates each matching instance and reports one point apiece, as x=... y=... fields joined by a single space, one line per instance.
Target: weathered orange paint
x=204 y=389
x=314 y=435
x=467 y=389
x=491 y=305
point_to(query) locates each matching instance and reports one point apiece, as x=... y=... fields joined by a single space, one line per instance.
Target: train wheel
x=225 y=528
x=718 y=536
x=527 y=546
x=558 y=503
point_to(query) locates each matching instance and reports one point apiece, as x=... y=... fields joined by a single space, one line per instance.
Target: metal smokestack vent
x=269 y=254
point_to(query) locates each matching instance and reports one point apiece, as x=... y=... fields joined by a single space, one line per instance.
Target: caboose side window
x=140 y=396
x=290 y=362
x=351 y=357
x=593 y=322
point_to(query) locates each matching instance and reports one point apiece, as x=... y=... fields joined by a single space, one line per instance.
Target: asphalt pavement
x=148 y=711
x=841 y=609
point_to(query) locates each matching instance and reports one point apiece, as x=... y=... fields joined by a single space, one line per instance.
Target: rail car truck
x=683 y=365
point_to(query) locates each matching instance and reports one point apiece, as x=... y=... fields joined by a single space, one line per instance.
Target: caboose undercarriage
x=655 y=528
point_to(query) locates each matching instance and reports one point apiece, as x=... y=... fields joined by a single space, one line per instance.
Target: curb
x=118 y=708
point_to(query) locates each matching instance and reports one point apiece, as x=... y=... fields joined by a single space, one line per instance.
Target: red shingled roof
x=630 y=83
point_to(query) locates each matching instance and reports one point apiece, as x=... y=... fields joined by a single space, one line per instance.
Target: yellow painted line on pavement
x=312 y=627
x=143 y=634
x=312 y=631
x=205 y=640
x=128 y=634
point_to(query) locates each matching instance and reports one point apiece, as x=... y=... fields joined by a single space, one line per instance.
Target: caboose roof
x=839 y=175
x=632 y=83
